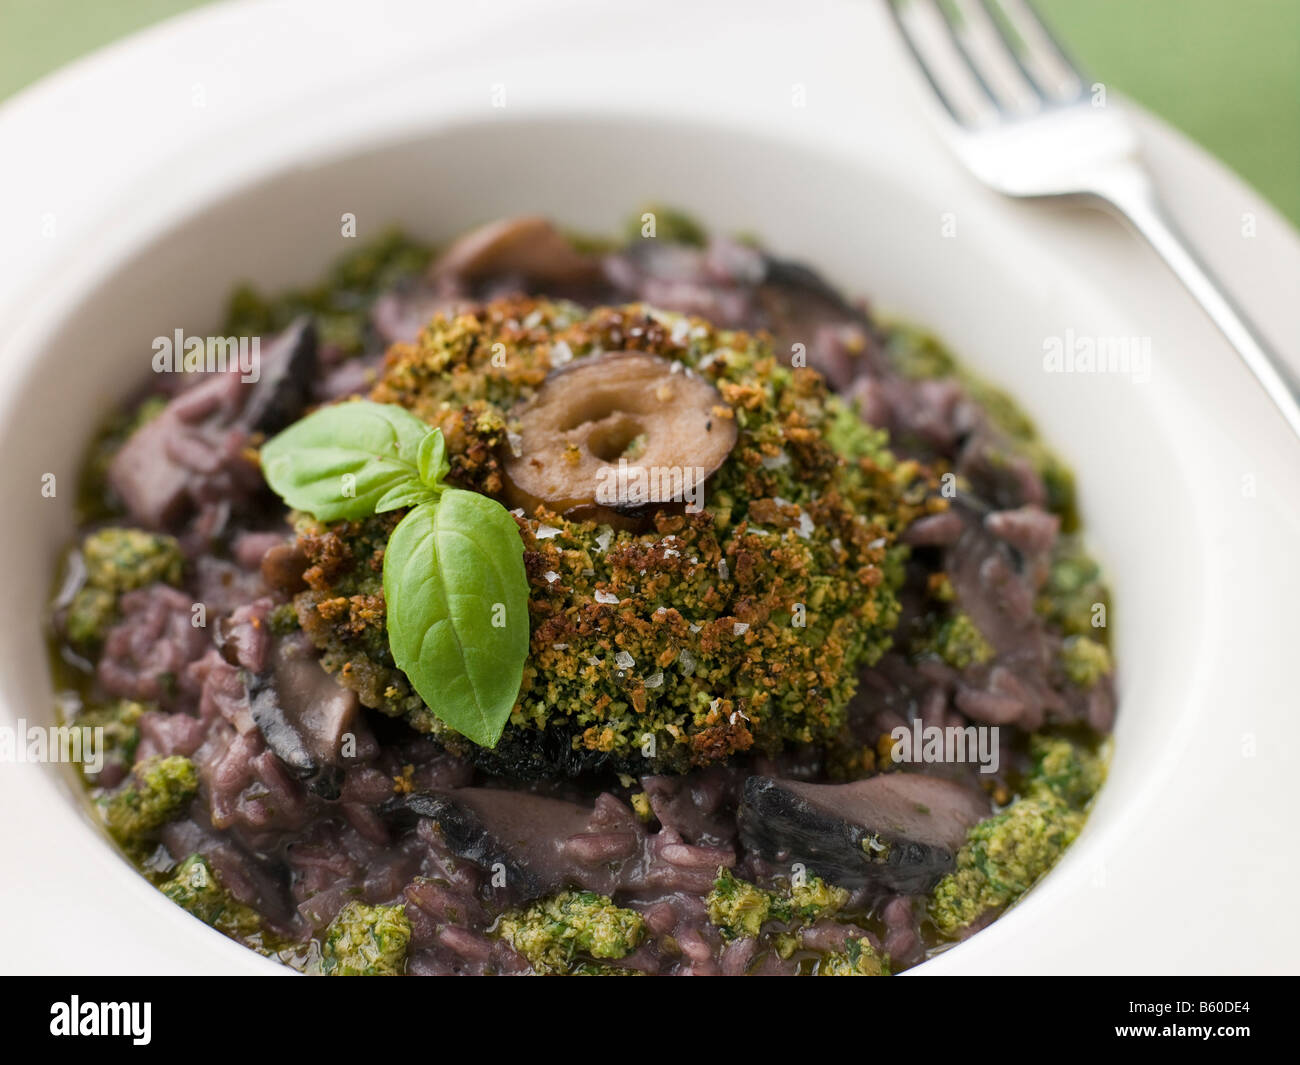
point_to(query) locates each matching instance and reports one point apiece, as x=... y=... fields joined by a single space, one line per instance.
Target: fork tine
x=988 y=49
x=1014 y=45
x=961 y=45
x=1042 y=57
x=967 y=105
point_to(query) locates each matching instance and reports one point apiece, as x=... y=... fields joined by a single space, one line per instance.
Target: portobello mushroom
x=283 y=387
x=543 y=844
x=896 y=832
x=304 y=715
x=527 y=247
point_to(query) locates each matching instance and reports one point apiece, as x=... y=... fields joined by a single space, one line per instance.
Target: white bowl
x=159 y=206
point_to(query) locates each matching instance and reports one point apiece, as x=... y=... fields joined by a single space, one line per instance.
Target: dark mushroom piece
x=304 y=715
x=286 y=374
x=528 y=247
x=543 y=844
x=615 y=437
x=162 y=468
x=896 y=832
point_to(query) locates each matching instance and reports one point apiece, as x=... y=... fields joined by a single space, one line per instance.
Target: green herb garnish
x=454 y=580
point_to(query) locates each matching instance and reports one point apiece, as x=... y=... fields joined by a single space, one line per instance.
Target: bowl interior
x=869 y=231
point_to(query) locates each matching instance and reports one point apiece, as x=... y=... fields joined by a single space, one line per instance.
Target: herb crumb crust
x=737 y=628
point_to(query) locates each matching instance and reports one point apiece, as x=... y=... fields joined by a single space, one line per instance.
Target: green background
x=1226 y=72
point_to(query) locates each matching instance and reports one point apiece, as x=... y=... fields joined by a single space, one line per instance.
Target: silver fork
x=1026 y=122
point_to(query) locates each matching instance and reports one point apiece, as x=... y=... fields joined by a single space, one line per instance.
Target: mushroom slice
x=528 y=247
x=541 y=844
x=615 y=437
x=896 y=832
x=304 y=715
x=284 y=386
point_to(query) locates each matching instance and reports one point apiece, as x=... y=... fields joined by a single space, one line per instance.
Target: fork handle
x=1131 y=193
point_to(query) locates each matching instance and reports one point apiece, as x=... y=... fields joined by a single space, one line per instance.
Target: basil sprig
x=454 y=577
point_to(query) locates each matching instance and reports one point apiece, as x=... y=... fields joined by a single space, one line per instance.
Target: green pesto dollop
x=194 y=887
x=120 y=722
x=561 y=933
x=365 y=940
x=1074 y=598
x=740 y=909
x=858 y=958
x=957 y=640
x=1084 y=660
x=1005 y=855
x=118 y=560
x=157 y=791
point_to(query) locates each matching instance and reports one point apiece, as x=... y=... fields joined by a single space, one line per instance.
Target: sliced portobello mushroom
x=528 y=247
x=287 y=372
x=543 y=844
x=615 y=437
x=304 y=715
x=895 y=832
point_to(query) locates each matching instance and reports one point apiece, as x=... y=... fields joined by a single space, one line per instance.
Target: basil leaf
x=432 y=459
x=340 y=461
x=406 y=494
x=458 y=610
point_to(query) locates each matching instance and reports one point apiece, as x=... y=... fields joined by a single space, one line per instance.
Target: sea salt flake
x=624 y=660
x=655 y=680
x=688 y=662
x=551 y=576
x=723 y=572
x=516 y=443
x=606 y=597
x=806 y=526
x=546 y=532
x=775 y=462
x=740 y=628
x=533 y=320
x=561 y=353
x=603 y=538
